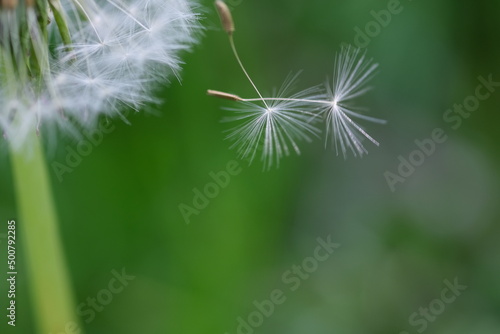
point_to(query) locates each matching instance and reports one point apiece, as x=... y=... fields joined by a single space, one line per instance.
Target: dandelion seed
x=351 y=74
x=274 y=125
x=275 y=128
x=225 y=16
x=106 y=58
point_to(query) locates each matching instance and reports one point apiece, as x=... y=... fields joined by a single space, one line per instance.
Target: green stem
x=47 y=272
x=56 y=8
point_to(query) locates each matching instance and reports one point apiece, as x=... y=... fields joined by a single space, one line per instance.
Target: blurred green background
x=119 y=208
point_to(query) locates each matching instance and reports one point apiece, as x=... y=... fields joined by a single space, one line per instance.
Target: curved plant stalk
x=42 y=248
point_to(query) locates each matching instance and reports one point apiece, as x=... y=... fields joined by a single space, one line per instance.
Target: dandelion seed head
x=118 y=50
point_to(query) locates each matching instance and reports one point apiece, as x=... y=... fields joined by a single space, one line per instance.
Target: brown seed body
x=225 y=16
x=223 y=95
x=9 y=4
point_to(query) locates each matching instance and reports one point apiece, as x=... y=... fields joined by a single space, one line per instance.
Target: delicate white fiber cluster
x=350 y=77
x=119 y=49
x=274 y=125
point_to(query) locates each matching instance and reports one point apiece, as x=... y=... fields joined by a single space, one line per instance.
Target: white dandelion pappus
x=274 y=125
x=117 y=51
x=351 y=74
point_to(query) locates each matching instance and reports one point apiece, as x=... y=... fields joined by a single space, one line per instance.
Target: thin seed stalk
x=42 y=10
x=55 y=6
x=39 y=235
x=235 y=52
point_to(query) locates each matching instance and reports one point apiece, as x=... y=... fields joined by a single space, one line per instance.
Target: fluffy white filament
x=274 y=125
x=351 y=75
x=119 y=50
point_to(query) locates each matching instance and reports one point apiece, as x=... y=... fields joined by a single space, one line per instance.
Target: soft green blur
x=119 y=208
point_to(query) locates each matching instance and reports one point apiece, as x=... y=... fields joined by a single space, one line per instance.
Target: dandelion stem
x=233 y=47
x=62 y=25
x=39 y=235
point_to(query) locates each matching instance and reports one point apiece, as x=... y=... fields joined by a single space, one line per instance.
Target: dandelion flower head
x=64 y=63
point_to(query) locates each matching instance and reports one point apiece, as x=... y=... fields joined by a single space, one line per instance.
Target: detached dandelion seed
x=274 y=125
x=352 y=73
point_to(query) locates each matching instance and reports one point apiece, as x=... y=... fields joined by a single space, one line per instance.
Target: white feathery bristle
x=274 y=128
x=351 y=74
x=119 y=50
